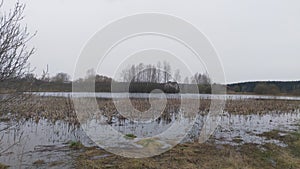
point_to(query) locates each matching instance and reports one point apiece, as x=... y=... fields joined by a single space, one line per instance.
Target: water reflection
x=48 y=141
x=43 y=140
x=246 y=128
x=169 y=96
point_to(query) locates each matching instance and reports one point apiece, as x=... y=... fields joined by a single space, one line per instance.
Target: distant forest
x=140 y=78
x=266 y=87
x=148 y=78
x=103 y=84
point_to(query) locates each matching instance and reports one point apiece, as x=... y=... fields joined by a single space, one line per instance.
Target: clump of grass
x=2 y=166
x=237 y=139
x=274 y=134
x=4 y=119
x=56 y=163
x=130 y=136
x=39 y=162
x=295 y=145
x=75 y=145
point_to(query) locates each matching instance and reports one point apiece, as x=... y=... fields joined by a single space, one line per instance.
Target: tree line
x=160 y=73
x=267 y=87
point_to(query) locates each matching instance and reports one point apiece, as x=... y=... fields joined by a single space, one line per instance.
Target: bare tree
x=167 y=71
x=45 y=75
x=158 y=72
x=14 y=52
x=177 y=75
x=186 y=80
x=154 y=78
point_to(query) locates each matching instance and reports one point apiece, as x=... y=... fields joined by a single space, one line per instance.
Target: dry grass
x=60 y=108
x=250 y=106
x=2 y=166
x=205 y=156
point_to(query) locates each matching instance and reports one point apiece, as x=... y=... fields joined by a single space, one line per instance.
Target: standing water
x=27 y=142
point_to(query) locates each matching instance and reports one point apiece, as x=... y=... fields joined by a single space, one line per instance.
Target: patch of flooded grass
x=56 y=163
x=274 y=134
x=4 y=119
x=130 y=136
x=39 y=162
x=237 y=139
x=75 y=145
x=295 y=144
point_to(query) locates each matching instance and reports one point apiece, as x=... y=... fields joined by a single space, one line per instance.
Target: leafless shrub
x=14 y=51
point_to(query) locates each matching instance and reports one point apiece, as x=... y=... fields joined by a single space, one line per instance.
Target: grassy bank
x=208 y=155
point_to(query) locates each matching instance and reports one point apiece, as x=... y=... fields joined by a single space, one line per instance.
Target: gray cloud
x=256 y=40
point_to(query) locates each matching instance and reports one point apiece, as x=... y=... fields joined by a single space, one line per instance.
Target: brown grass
x=59 y=108
x=205 y=156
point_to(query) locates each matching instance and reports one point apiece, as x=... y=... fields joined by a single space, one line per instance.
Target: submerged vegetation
x=75 y=145
x=130 y=136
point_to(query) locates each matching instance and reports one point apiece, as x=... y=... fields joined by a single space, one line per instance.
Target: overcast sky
x=255 y=39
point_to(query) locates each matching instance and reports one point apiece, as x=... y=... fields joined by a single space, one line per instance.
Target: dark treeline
x=267 y=87
x=21 y=85
x=142 y=79
x=61 y=83
x=103 y=84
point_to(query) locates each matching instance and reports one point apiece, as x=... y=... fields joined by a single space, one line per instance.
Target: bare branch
x=14 y=37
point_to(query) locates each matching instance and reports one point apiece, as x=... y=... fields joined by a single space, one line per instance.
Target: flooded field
x=44 y=132
x=42 y=143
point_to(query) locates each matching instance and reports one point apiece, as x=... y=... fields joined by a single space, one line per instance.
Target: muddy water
x=48 y=141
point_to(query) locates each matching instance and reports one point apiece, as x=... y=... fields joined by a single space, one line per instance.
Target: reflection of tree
x=16 y=140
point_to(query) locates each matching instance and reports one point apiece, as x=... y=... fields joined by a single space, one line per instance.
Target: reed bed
x=62 y=108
